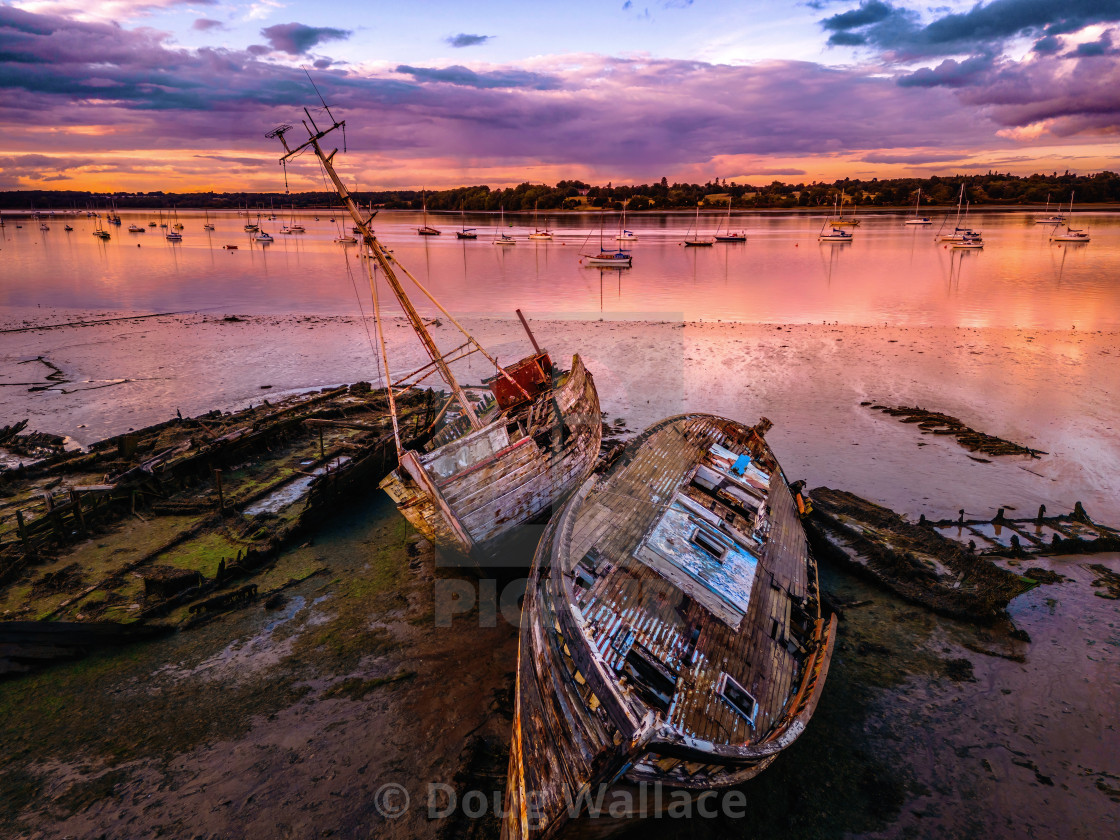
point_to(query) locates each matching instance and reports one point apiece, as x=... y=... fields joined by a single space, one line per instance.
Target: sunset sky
x=177 y=95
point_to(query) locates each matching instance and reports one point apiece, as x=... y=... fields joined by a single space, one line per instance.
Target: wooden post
x=22 y=530
x=218 y=483
x=76 y=500
x=322 y=452
x=525 y=324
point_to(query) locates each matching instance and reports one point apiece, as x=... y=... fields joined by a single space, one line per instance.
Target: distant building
x=584 y=192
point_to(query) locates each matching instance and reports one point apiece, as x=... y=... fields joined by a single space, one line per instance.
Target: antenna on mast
x=326 y=108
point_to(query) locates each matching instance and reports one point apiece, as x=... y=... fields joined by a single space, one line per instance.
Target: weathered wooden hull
x=579 y=737
x=470 y=493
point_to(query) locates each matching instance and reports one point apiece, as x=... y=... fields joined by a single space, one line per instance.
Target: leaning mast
x=374 y=247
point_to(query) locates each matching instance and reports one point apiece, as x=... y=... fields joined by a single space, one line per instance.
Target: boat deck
x=629 y=604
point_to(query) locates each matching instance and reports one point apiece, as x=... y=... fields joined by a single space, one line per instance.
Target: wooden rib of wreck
x=672 y=633
x=492 y=467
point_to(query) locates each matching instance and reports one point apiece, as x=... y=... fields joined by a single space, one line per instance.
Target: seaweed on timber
x=914 y=561
x=937 y=423
x=220 y=494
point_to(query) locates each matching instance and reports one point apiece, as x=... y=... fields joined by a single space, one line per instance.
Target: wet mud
x=937 y=423
x=289 y=721
x=286 y=718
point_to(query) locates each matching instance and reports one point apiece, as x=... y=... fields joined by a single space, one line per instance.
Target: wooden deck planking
x=615 y=519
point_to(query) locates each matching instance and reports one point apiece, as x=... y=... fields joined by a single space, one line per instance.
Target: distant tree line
x=991 y=188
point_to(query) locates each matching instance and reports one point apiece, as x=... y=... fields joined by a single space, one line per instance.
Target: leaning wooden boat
x=672 y=639
x=469 y=487
x=495 y=464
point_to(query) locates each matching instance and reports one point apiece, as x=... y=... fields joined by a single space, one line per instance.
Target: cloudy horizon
x=177 y=95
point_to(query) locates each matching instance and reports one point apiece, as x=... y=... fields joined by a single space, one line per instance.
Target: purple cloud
x=299 y=38
x=783 y=171
x=465 y=40
x=240 y=161
x=206 y=24
x=459 y=75
x=901 y=33
x=950 y=73
x=122 y=90
x=1048 y=45
x=1102 y=46
x=918 y=159
x=867 y=13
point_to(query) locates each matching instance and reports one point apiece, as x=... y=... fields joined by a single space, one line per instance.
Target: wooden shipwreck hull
x=467 y=491
x=671 y=635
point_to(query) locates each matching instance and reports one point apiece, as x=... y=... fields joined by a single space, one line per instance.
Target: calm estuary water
x=890 y=274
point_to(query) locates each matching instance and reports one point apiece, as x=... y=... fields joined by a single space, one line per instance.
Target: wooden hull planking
x=469 y=493
x=578 y=735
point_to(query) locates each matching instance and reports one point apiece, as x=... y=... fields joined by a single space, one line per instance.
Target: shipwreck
x=491 y=466
x=672 y=633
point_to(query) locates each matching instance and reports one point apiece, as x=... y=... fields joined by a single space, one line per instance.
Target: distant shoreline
x=738 y=212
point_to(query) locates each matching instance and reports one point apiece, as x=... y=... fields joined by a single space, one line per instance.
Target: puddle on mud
x=244 y=657
x=292 y=491
x=297 y=716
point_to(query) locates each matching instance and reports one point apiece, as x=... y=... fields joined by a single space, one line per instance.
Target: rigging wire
x=357 y=295
x=365 y=322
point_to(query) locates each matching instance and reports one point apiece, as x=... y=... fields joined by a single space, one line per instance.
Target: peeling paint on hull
x=470 y=493
x=587 y=723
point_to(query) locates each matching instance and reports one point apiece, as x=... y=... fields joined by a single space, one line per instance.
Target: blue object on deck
x=741 y=464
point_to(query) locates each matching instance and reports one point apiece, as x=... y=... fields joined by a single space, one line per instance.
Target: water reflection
x=612 y=275
x=889 y=273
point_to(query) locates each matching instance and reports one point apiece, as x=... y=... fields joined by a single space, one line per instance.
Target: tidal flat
x=286 y=722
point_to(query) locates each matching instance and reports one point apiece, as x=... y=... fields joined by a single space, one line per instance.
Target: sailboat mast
x=375 y=248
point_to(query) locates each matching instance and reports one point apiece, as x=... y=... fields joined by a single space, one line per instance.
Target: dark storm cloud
x=1048 y=44
x=465 y=40
x=847 y=39
x=982 y=28
x=950 y=73
x=1102 y=46
x=298 y=38
x=459 y=75
x=871 y=11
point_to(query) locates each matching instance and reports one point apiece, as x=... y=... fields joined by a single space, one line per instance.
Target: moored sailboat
x=970 y=240
x=503 y=237
x=1070 y=234
x=625 y=235
x=619 y=258
x=919 y=220
x=841 y=220
x=426 y=229
x=958 y=234
x=1056 y=219
x=494 y=466
x=465 y=232
x=730 y=235
x=540 y=234
x=834 y=233
x=695 y=241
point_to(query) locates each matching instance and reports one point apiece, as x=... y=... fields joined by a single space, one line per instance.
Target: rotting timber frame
x=491 y=469
x=373 y=247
